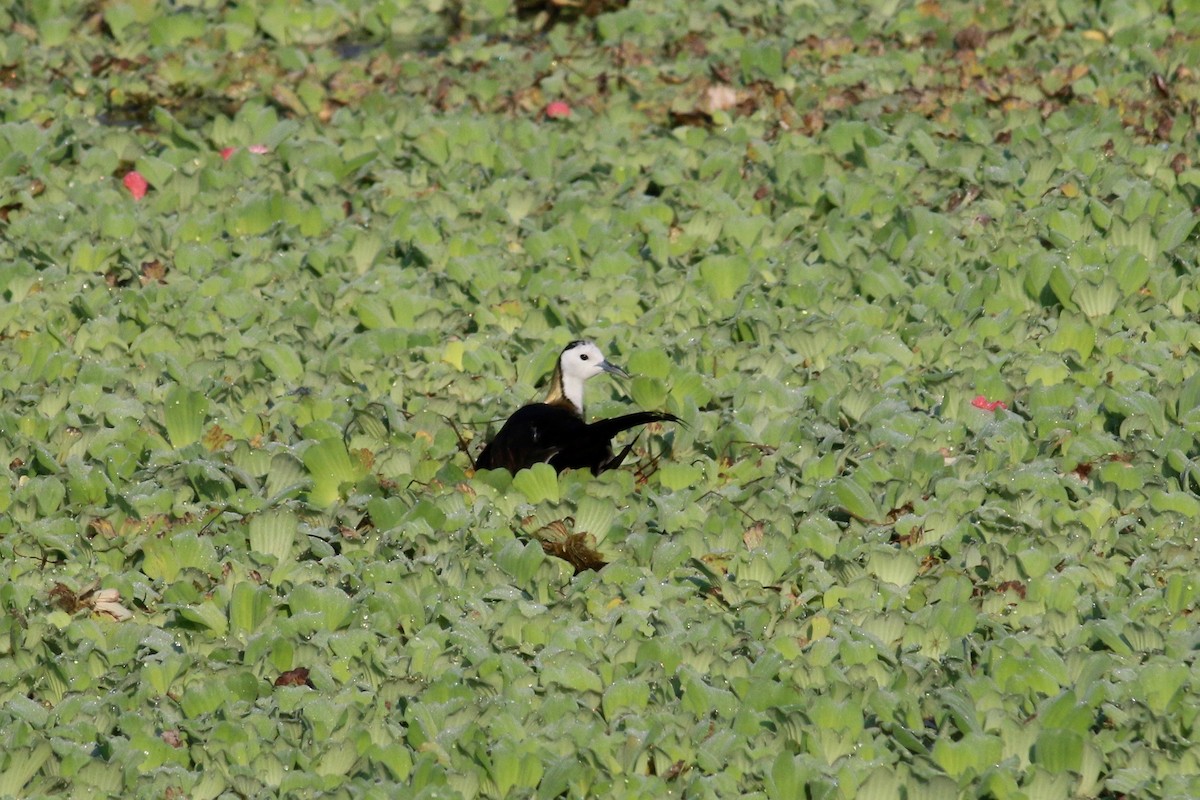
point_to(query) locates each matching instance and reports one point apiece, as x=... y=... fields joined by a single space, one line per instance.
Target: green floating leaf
x=185 y=413
x=161 y=675
x=328 y=606
x=674 y=477
x=571 y=672
x=1037 y=177
x=164 y=559
x=650 y=362
x=723 y=275
x=1073 y=335
x=386 y=512
x=285 y=477
x=48 y=493
x=330 y=466
x=1047 y=785
x=970 y=755
x=648 y=392
x=626 y=694
x=539 y=483
x=1189 y=396
x=208 y=614
x=521 y=560
x=396 y=756
x=1096 y=300
x=273 y=533
x=1058 y=750
x=1180 y=592
x=759 y=570
x=1065 y=712
x=1176 y=230
x=1037 y=271
x=1178 y=502
x=514 y=766
x=23 y=764
x=1136 y=235
x=855 y=499
x=1123 y=476
x=1131 y=270
x=249 y=606
x=1160 y=683
x=786 y=780
x=282 y=361
x=595 y=516
x=434 y=145
x=373 y=312
x=339 y=759
x=1066 y=227
x=1110 y=635
x=898 y=568
x=203 y=697
x=1062 y=284
x=690 y=391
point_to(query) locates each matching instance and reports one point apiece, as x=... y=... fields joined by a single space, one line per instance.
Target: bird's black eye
x=583 y=357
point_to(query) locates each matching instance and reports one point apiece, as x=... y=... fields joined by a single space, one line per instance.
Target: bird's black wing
x=593 y=447
x=609 y=428
x=542 y=432
x=533 y=434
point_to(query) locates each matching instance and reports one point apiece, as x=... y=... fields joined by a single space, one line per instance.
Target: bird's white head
x=579 y=361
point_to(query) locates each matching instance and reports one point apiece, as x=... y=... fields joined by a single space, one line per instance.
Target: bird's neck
x=565 y=391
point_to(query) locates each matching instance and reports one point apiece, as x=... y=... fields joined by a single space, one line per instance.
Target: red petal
x=136 y=184
x=558 y=110
x=227 y=152
x=987 y=405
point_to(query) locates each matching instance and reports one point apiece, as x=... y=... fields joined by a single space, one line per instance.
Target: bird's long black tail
x=611 y=427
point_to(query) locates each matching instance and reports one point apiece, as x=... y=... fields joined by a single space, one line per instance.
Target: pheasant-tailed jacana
x=555 y=431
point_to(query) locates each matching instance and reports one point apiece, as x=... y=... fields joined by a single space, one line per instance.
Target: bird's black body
x=555 y=434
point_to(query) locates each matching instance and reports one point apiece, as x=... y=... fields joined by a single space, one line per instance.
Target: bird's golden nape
x=579 y=361
x=556 y=431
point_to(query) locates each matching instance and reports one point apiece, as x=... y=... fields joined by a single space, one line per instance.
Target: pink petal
x=558 y=110
x=259 y=149
x=136 y=184
x=987 y=405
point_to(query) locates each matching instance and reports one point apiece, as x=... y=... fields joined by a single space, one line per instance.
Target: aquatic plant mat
x=919 y=278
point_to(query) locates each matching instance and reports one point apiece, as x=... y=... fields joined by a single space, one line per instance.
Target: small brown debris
x=62 y=596
x=102 y=527
x=720 y=97
x=1160 y=84
x=294 y=677
x=1166 y=123
x=153 y=272
x=753 y=536
x=215 y=438
x=106 y=602
x=1013 y=586
x=578 y=550
x=971 y=37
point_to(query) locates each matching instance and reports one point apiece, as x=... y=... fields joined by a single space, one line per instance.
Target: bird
x=555 y=431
